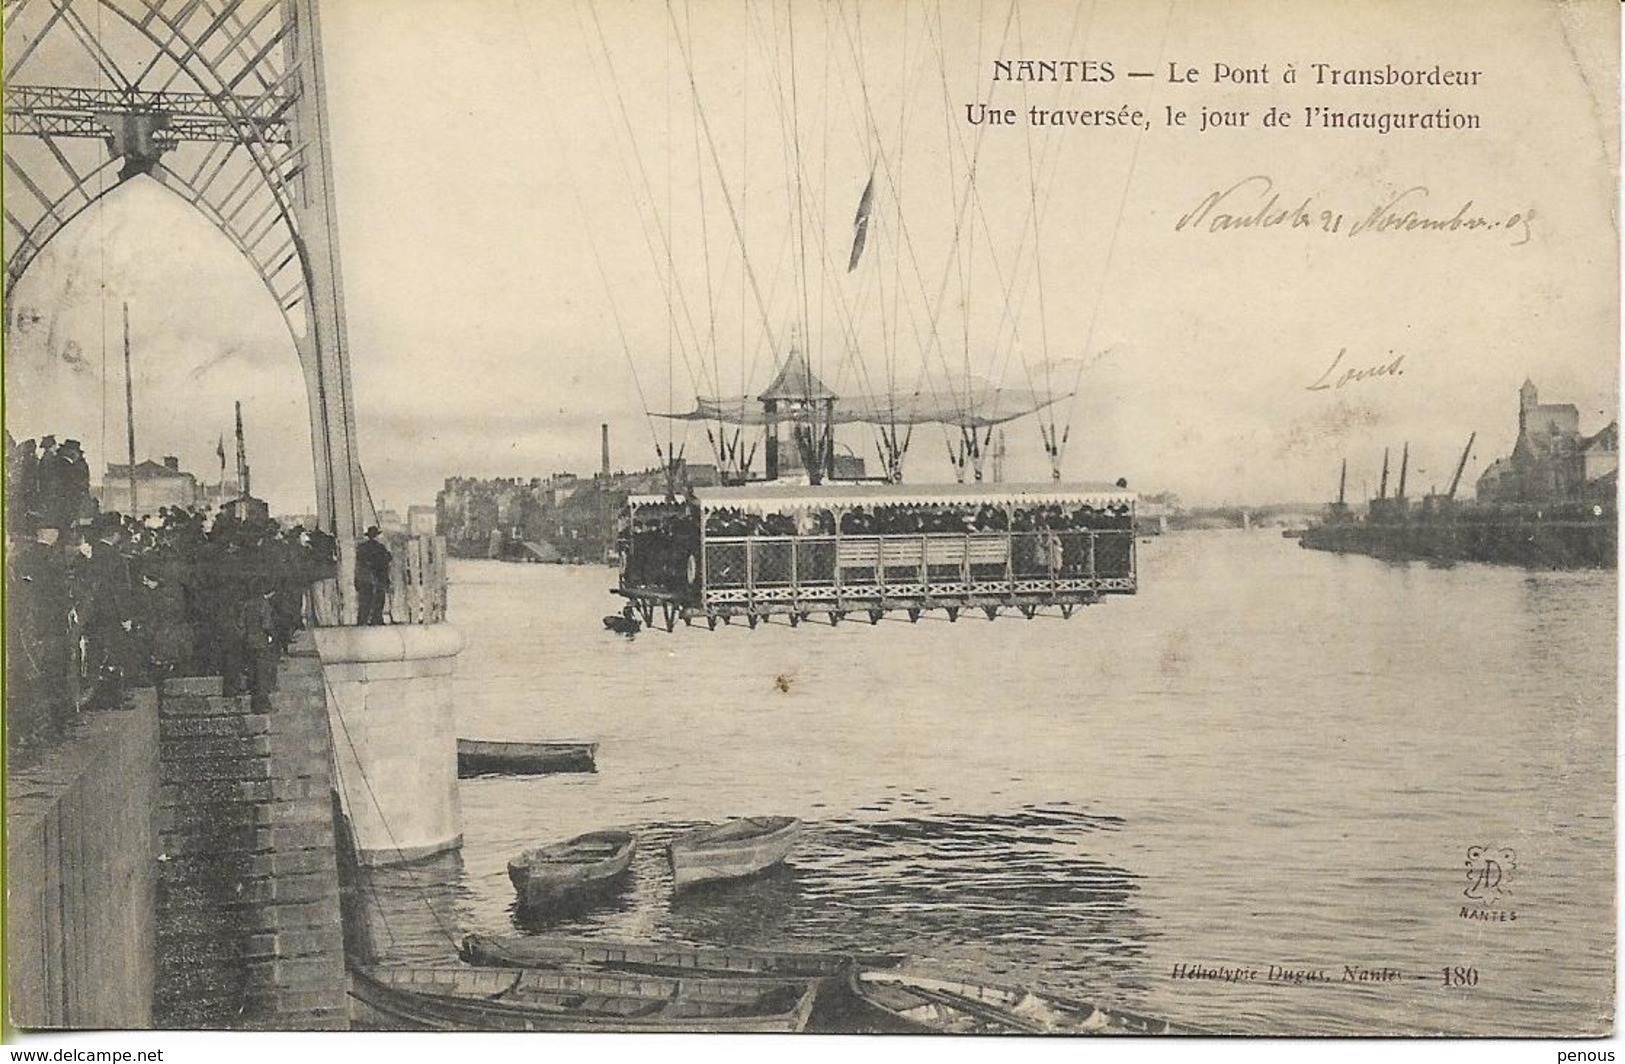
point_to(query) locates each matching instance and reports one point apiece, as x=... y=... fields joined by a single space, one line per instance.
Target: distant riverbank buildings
x=159 y=485
x=1552 y=462
x=563 y=517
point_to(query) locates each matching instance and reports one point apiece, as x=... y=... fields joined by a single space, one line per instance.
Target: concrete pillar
x=395 y=737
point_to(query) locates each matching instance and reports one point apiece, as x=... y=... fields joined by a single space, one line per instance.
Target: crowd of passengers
x=664 y=547
x=916 y=520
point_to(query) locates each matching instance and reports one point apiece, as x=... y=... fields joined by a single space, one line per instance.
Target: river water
x=1271 y=760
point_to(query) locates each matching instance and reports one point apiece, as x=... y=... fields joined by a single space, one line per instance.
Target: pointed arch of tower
x=221 y=102
x=198 y=95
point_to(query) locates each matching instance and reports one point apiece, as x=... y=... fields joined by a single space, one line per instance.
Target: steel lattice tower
x=221 y=102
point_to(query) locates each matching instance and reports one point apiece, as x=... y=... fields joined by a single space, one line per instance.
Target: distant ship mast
x=129 y=412
x=242 y=456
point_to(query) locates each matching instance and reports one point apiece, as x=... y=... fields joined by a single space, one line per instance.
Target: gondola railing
x=934 y=563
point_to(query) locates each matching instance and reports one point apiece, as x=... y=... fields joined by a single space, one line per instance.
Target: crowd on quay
x=47 y=483
x=101 y=601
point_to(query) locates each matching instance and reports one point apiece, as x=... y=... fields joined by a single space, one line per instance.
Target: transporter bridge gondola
x=863 y=549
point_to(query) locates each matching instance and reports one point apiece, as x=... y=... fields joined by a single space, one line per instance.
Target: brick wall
x=249 y=929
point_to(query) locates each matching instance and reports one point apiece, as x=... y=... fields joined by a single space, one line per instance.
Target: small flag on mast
x=860 y=223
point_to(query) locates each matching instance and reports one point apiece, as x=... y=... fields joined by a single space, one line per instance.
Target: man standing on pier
x=372 y=560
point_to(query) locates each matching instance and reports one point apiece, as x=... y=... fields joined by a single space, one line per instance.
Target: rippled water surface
x=1268 y=757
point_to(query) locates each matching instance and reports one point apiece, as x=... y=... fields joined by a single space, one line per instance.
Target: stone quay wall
x=249 y=928
x=81 y=876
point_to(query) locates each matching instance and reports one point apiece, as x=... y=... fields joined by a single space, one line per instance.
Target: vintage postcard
x=935 y=517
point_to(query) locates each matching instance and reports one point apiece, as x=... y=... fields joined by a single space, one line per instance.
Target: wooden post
x=441 y=581
x=417 y=611
x=398 y=609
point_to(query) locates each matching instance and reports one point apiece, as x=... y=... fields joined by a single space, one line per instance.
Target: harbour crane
x=1455 y=481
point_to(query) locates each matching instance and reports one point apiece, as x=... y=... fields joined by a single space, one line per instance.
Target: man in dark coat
x=163 y=639
x=47 y=490
x=75 y=481
x=372 y=560
x=41 y=695
x=254 y=660
x=105 y=602
x=22 y=479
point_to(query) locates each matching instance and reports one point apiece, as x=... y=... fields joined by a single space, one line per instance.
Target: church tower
x=1528 y=399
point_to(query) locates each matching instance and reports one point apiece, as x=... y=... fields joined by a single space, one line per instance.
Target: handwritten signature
x=1254 y=203
x=1325 y=382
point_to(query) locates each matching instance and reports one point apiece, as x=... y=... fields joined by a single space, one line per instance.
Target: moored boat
x=945 y=1006
x=490 y=757
x=582 y=863
x=507 y=999
x=662 y=958
x=732 y=850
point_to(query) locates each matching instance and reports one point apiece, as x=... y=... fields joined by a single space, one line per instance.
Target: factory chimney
x=604 y=430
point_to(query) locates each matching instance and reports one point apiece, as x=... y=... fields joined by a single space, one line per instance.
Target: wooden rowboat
x=943 y=1006
x=494 y=757
x=505 y=999
x=585 y=862
x=661 y=958
x=732 y=850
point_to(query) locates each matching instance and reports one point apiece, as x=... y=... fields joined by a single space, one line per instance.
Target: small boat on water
x=507 y=999
x=623 y=624
x=493 y=757
x=732 y=850
x=661 y=958
x=943 y=1006
x=582 y=863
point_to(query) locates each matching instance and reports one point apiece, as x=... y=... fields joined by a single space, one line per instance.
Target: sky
x=542 y=217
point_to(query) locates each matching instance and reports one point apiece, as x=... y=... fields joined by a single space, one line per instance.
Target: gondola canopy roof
x=977 y=407
x=796 y=382
x=788 y=498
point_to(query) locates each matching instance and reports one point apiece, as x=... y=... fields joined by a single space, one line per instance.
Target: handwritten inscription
x=1254 y=204
x=1350 y=375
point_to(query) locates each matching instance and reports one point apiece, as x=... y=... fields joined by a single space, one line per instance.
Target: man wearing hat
x=372 y=560
x=46 y=487
x=75 y=481
x=104 y=597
